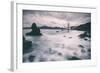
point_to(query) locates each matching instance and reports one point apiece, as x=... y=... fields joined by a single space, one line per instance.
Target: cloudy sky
x=51 y=18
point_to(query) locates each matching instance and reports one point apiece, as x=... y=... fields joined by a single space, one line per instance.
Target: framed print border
x=16 y=36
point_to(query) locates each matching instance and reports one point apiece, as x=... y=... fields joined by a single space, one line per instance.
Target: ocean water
x=57 y=45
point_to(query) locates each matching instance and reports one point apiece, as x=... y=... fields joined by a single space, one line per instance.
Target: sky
x=54 y=18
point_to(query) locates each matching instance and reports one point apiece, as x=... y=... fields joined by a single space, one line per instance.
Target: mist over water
x=56 y=36
x=57 y=45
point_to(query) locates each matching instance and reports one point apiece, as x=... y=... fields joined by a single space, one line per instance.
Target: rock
x=81 y=46
x=26 y=45
x=64 y=36
x=70 y=37
x=85 y=39
x=75 y=54
x=74 y=58
x=35 y=31
x=52 y=60
x=89 y=50
x=57 y=31
x=42 y=59
x=60 y=54
x=85 y=34
x=83 y=51
x=31 y=58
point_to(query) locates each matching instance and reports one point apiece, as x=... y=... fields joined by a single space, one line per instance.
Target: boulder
x=26 y=45
x=31 y=58
x=74 y=58
x=35 y=31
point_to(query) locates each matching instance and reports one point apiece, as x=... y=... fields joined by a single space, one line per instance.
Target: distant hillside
x=47 y=27
x=84 y=27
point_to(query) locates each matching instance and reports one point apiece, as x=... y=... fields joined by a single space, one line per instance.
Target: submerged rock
x=42 y=59
x=83 y=51
x=85 y=34
x=31 y=58
x=85 y=39
x=81 y=46
x=35 y=31
x=26 y=45
x=70 y=37
x=74 y=58
x=60 y=54
x=89 y=50
x=64 y=36
x=57 y=31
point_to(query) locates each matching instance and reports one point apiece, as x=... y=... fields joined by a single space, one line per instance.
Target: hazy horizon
x=54 y=18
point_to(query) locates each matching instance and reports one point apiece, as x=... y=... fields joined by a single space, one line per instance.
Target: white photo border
x=17 y=63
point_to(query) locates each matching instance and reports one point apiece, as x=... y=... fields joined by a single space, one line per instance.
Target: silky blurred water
x=57 y=45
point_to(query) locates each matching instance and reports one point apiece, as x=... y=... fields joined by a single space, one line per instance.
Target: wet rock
x=24 y=59
x=74 y=58
x=35 y=31
x=52 y=60
x=52 y=51
x=31 y=58
x=89 y=56
x=60 y=54
x=64 y=36
x=49 y=49
x=89 y=50
x=85 y=39
x=83 y=51
x=26 y=45
x=42 y=60
x=75 y=54
x=85 y=34
x=57 y=31
x=63 y=46
x=81 y=46
x=70 y=37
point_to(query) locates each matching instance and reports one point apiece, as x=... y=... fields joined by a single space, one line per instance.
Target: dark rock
x=24 y=59
x=89 y=50
x=85 y=39
x=31 y=58
x=63 y=46
x=52 y=60
x=81 y=46
x=85 y=34
x=74 y=58
x=83 y=51
x=42 y=60
x=35 y=31
x=75 y=53
x=84 y=27
x=60 y=54
x=57 y=31
x=49 y=49
x=70 y=37
x=26 y=45
x=89 y=55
